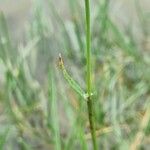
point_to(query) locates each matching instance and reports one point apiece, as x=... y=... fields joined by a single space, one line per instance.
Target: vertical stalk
x=88 y=46
x=88 y=74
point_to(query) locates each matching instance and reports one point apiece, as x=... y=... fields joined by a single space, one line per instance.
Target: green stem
x=88 y=45
x=88 y=57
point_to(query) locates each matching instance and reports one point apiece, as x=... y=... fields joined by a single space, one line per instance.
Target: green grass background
x=39 y=110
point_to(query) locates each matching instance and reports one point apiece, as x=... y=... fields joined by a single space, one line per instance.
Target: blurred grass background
x=38 y=110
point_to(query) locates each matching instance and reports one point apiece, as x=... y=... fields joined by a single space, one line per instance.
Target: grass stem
x=88 y=74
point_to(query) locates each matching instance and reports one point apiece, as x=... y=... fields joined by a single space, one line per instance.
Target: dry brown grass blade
x=140 y=135
x=104 y=130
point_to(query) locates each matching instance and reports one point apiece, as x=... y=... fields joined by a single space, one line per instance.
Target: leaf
x=70 y=80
